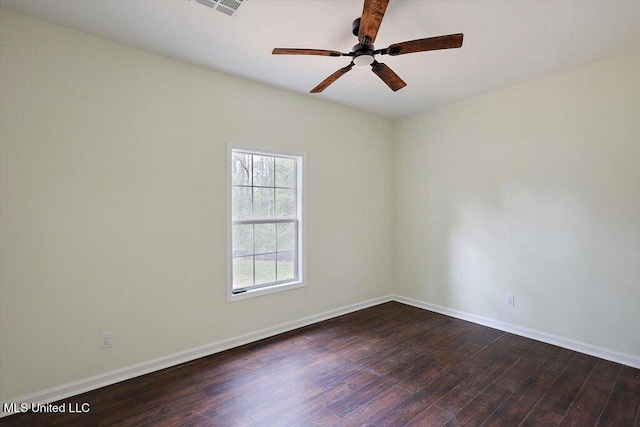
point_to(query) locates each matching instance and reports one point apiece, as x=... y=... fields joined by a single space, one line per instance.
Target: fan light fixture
x=365 y=59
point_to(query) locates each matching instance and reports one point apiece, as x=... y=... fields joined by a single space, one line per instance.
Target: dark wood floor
x=389 y=365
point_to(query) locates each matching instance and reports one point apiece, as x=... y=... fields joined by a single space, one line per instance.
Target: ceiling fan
x=363 y=53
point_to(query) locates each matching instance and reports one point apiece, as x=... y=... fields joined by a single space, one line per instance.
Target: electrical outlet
x=106 y=340
x=510 y=300
x=356 y=284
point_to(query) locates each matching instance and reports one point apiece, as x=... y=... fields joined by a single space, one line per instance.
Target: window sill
x=264 y=291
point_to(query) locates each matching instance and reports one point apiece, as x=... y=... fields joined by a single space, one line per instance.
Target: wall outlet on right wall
x=106 y=340
x=509 y=300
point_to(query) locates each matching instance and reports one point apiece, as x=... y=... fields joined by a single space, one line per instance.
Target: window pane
x=241 y=202
x=264 y=188
x=263 y=171
x=285 y=172
x=242 y=240
x=286 y=267
x=241 y=169
x=285 y=203
x=265 y=269
x=265 y=238
x=263 y=203
x=242 y=272
x=286 y=237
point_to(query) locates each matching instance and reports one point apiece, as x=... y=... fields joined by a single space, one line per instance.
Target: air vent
x=228 y=7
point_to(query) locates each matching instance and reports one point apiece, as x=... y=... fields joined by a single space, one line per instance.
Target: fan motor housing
x=363 y=54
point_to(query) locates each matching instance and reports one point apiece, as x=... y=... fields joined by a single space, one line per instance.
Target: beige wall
x=113 y=174
x=533 y=190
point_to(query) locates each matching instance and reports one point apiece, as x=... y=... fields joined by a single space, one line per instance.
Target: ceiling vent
x=228 y=7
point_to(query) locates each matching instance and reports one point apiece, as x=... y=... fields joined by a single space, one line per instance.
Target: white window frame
x=300 y=242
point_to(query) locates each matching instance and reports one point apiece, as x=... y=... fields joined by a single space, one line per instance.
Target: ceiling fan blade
x=433 y=43
x=332 y=78
x=372 y=15
x=388 y=76
x=319 y=52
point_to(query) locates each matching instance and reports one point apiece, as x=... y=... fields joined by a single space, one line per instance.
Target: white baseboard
x=603 y=353
x=118 y=375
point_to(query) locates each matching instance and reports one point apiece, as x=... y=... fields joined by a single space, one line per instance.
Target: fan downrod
x=356 y=26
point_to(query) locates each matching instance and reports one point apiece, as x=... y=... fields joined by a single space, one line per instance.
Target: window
x=266 y=222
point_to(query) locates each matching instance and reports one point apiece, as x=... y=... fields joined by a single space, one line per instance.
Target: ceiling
x=505 y=42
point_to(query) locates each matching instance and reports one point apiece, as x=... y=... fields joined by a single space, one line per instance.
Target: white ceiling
x=505 y=42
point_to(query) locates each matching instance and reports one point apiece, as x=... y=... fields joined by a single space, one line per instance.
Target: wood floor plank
x=539 y=352
x=621 y=410
x=409 y=368
x=340 y=341
x=503 y=345
x=629 y=381
x=387 y=365
x=269 y=410
x=605 y=374
x=200 y=413
x=483 y=357
x=561 y=394
x=468 y=389
x=410 y=408
x=481 y=407
x=360 y=349
x=348 y=387
x=360 y=397
x=269 y=382
x=433 y=371
x=516 y=408
x=367 y=414
x=559 y=359
x=321 y=418
x=540 y=418
x=586 y=407
x=516 y=374
x=336 y=376
x=432 y=416
x=314 y=409
x=389 y=358
x=524 y=342
x=481 y=335
x=148 y=406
